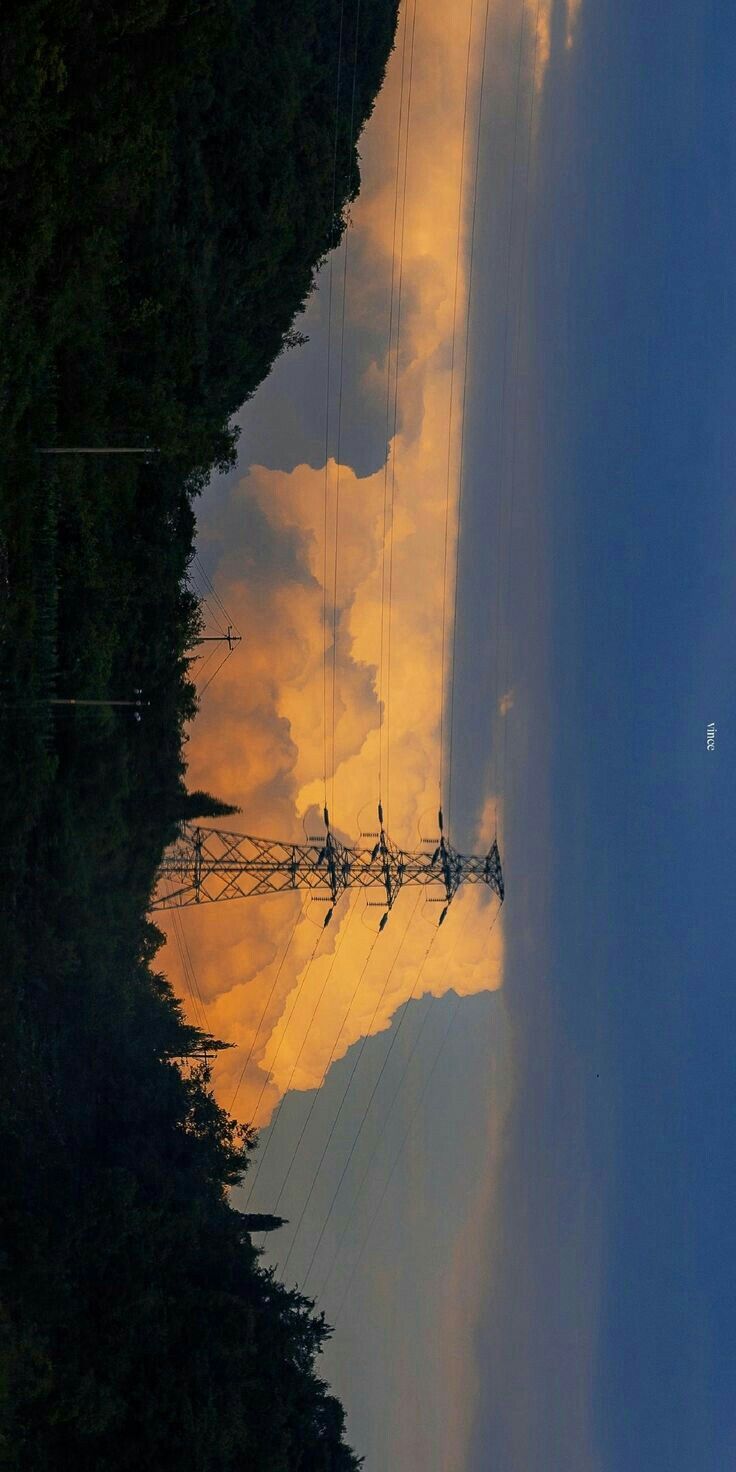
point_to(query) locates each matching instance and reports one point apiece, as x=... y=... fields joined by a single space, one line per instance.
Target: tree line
x=166 y=177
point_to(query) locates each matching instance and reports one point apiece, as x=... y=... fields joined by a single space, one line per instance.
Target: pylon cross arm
x=206 y=865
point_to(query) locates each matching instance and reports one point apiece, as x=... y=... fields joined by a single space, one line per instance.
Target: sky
x=276 y=721
x=522 y=1203
x=607 y=1335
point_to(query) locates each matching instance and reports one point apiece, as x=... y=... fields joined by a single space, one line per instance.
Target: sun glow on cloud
x=573 y=15
x=542 y=28
x=260 y=737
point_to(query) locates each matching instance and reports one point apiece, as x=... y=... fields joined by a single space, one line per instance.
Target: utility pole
x=96 y=450
x=230 y=638
x=207 y=865
x=72 y=700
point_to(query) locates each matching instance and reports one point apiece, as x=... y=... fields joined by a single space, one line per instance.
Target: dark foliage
x=166 y=181
x=168 y=186
x=257 y=1221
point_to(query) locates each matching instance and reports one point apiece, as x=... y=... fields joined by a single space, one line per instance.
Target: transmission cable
x=189 y=975
x=215 y=673
x=325 y=1071
x=187 y=952
x=502 y=392
x=324 y=578
x=388 y=523
x=356 y=1062
x=266 y=1006
x=461 y=467
x=390 y=440
x=398 y=1154
x=380 y=1135
x=214 y=606
x=519 y=319
x=327 y=405
x=190 y=978
x=383 y=1130
x=450 y=407
x=330 y=969
x=268 y=1076
x=213 y=591
x=203 y=660
x=349 y=180
x=391 y=1047
x=352 y=999
x=214 y=598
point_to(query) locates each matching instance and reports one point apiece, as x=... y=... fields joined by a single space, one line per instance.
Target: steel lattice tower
x=211 y=864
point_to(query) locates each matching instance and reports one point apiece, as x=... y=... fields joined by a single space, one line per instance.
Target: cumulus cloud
x=573 y=15
x=261 y=739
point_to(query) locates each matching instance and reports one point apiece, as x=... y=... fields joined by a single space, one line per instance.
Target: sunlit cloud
x=573 y=15
x=542 y=22
x=542 y=42
x=265 y=737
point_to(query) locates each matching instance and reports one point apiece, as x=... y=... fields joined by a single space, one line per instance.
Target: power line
x=398 y=1154
x=384 y=1127
x=450 y=407
x=97 y=450
x=227 y=632
x=214 y=593
x=268 y=1076
x=190 y=977
x=339 y=403
x=325 y=1072
x=310 y=1024
x=504 y=370
x=266 y=1006
x=461 y=468
x=519 y=317
x=368 y=1033
x=327 y=408
x=352 y=999
x=383 y=1131
x=315 y=1096
x=215 y=672
x=195 y=980
x=204 y=661
x=324 y=606
x=346 y=1091
x=397 y=1157
x=209 y=594
x=384 y=678
x=394 y=1039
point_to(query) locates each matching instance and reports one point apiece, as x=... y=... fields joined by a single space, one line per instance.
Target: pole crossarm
x=206 y=865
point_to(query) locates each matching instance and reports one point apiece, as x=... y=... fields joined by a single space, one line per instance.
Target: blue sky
x=618 y=1193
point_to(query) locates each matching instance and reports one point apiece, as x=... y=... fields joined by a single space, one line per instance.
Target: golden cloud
x=261 y=736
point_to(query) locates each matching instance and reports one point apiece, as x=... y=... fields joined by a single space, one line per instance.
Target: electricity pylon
x=210 y=864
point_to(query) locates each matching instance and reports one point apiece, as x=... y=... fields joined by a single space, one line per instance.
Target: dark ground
x=166 y=171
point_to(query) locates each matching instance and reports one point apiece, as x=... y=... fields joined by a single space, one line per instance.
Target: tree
x=255 y=1221
x=203 y=805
